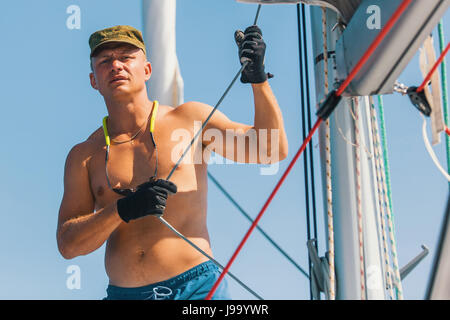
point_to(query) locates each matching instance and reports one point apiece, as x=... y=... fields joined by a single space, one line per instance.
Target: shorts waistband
x=172 y=282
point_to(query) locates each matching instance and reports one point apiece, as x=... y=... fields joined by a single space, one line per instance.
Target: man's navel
x=100 y=191
x=141 y=254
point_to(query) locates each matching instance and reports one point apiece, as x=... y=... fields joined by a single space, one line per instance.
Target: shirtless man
x=144 y=259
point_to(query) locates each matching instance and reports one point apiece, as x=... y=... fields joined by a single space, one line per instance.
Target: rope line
x=207 y=120
x=355 y=104
x=234 y=202
x=431 y=151
x=398 y=280
x=329 y=186
x=209 y=257
x=347 y=140
x=386 y=168
x=433 y=69
x=444 y=92
x=382 y=213
x=388 y=205
x=305 y=159
x=257 y=15
x=308 y=106
x=272 y=195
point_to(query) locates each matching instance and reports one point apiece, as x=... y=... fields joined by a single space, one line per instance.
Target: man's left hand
x=252 y=49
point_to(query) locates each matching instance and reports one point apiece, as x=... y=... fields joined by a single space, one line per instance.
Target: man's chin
x=119 y=88
x=119 y=91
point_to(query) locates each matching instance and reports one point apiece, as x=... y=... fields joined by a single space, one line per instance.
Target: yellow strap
x=152 y=122
x=105 y=131
x=153 y=117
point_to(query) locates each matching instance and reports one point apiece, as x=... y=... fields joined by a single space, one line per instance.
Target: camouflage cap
x=125 y=34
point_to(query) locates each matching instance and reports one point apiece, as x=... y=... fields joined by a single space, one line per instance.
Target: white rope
x=430 y=149
x=358 y=200
x=389 y=218
x=331 y=273
x=382 y=213
x=398 y=282
x=347 y=140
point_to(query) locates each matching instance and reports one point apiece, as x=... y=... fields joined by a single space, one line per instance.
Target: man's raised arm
x=268 y=117
x=265 y=141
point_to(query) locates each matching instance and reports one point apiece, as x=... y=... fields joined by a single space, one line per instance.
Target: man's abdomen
x=145 y=251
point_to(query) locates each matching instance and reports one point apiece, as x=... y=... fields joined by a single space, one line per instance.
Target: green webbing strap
x=444 y=92
x=386 y=165
x=385 y=150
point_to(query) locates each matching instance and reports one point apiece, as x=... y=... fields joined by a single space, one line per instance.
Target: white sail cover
x=166 y=84
x=427 y=58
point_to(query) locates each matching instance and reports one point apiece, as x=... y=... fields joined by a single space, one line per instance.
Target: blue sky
x=48 y=106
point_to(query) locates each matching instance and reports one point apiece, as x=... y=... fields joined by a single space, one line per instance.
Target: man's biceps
x=78 y=195
x=74 y=205
x=228 y=126
x=75 y=170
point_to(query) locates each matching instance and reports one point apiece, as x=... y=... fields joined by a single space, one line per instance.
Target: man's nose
x=117 y=64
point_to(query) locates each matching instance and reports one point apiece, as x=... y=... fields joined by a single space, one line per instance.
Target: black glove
x=251 y=48
x=149 y=199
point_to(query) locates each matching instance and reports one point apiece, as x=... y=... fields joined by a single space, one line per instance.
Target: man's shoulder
x=193 y=105
x=97 y=137
x=86 y=149
x=193 y=109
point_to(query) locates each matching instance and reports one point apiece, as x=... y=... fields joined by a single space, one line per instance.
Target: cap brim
x=96 y=48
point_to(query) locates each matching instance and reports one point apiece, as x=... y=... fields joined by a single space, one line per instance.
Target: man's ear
x=148 y=70
x=93 y=82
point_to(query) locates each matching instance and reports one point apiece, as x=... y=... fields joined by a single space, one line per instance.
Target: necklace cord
x=152 y=116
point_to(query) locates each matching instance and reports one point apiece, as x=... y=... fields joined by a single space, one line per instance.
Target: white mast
x=354 y=176
x=344 y=177
x=165 y=84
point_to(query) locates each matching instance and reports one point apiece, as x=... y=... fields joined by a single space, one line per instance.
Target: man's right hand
x=149 y=199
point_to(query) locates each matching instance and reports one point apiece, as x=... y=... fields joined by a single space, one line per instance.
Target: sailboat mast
x=350 y=198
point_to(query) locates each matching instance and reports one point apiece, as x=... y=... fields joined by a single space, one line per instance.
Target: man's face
x=119 y=69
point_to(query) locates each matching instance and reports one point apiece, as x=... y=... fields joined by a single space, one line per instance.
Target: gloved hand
x=251 y=48
x=149 y=199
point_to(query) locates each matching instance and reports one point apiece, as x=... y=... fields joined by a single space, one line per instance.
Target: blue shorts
x=194 y=284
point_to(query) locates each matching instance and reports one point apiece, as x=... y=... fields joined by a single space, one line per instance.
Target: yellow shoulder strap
x=153 y=116
x=105 y=131
x=152 y=122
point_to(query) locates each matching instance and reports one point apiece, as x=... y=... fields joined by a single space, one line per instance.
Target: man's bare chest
x=132 y=163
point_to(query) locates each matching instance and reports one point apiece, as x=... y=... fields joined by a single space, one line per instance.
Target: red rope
x=374 y=45
x=341 y=89
x=255 y=222
x=436 y=64
x=447 y=130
